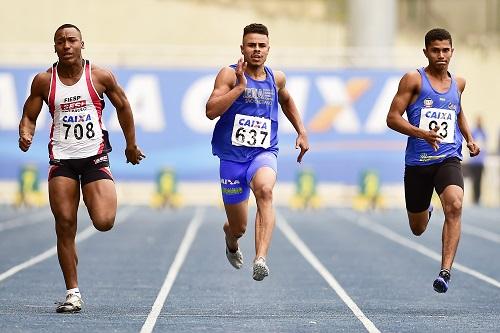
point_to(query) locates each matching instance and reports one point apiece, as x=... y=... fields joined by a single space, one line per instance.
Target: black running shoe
x=441 y=283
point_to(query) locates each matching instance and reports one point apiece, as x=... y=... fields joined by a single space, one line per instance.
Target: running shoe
x=234 y=258
x=441 y=283
x=260 y=269
x=73 y=303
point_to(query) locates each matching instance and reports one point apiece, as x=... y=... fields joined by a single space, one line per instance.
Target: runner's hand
x=25 y=141
x=240 y=72
x=433 y=138
x=134 y=155
x=473 y=149
x=303 y=143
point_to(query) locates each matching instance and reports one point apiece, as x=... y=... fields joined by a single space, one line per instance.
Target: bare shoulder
x=226 y=77
x=227 y=73
x=411 y=81
x=460 y=83
x=279 y=78
x=102 y=75
x=41 y=82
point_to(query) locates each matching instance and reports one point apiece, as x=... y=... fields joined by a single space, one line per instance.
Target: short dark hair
x=67 y=25
x=437 y=34
x=256 y=28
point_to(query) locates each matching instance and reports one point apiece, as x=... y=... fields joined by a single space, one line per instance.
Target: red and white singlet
x=77 y=129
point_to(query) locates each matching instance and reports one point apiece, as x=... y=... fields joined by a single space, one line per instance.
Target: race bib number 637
x=251 y=131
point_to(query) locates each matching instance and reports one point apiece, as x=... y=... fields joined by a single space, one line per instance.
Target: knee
x=417 y=230
x=104 y=223
x=65 y=225
x=240 y=231
x=453 y=208
x=264 y=193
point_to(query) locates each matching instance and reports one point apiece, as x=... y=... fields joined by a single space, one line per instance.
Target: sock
x=445 y=273
x=73 y=291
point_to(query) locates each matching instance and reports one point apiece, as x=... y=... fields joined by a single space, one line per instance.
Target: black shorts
x=85 y=170
x=420 y=181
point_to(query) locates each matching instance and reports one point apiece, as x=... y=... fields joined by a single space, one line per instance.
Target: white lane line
x=314 y=261
x=480 y=232
x=174 y=269
x=389 y=234
x=80 y=237
x=24 y=220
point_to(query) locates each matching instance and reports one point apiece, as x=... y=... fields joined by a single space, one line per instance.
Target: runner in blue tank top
x=431 y=97
x=245 y=139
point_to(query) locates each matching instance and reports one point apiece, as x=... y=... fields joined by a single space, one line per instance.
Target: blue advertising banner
x=344 y=112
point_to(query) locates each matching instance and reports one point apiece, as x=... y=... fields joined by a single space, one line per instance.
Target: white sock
x=73 y=291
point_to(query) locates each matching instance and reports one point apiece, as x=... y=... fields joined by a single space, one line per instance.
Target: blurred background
x=343 y=60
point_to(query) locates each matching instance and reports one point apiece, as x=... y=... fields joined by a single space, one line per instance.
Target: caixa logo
x=229 y=181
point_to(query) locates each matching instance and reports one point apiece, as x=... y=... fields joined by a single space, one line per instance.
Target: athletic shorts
x=420 y=181
x=85 y=170
x=235 y=177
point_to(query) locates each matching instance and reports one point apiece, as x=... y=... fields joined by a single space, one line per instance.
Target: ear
x=83 y=44
x=425 y=52
x=241 y=49
x=55 y=51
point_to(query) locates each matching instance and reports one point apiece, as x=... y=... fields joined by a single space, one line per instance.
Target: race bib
x=76 y=123
x=445 y=119
x=251 y=131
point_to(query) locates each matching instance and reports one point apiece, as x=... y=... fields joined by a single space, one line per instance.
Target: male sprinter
x=73 y=89
x=245 y=139
x=431 y=97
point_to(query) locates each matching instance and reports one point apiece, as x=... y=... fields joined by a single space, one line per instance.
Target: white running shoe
x=260 y=269
x=235 y=258
x=73 y=303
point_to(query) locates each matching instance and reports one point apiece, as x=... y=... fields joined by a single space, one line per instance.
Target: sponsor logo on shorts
x=101 y=159
x=229 y=181
x=426 y=158
x=232 y=191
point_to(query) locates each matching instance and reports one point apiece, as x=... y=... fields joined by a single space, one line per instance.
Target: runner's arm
x=474 y=149
x=292 y=113
x=226 y=91
x=119 y=100
x=31 y=110
x=408 y=87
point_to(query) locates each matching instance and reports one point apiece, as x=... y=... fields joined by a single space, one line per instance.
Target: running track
x=332 y=270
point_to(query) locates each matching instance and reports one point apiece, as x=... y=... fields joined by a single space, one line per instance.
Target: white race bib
x=445 y=119
x=251 y=131
x=77 y=126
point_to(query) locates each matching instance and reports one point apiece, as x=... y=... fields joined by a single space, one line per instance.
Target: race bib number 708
x=251 y=131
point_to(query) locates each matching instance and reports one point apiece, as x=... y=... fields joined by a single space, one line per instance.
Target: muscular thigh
x=64 y=197
x=419 y=184
x=100 y=197
x=449 y=173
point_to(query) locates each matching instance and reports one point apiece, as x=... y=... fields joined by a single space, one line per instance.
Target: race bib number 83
x=445 y=119
x=251 y=131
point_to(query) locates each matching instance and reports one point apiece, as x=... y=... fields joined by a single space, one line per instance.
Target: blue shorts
x=235 y=177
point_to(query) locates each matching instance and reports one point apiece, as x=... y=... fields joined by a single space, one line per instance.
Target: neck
x=256 y=72
x=440 y=73
x=70 y=69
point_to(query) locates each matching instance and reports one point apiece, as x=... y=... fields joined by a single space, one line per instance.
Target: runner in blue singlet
x=245 y=138
x=431 y=97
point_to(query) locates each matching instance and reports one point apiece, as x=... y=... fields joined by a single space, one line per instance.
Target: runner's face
x=68 y=45
x=439 y=53
x=255 y=49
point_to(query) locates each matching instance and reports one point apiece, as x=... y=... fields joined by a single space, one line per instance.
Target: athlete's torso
x=250 y=125
x=77 y=129
x=430 y=109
